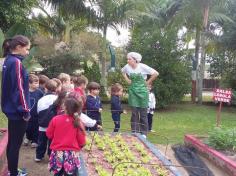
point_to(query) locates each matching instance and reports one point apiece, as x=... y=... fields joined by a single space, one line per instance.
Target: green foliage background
x=160 y=51
x=56 y=64
x=222 y=138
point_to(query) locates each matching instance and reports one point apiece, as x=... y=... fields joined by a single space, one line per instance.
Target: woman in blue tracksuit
x=15 y=96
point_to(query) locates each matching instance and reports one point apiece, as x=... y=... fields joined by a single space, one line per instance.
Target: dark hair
x=61 y=97
x=93 y=86
x=79 y=80
x=43 y=79
x=115 y=88
x=33 y=78
x=73 y=108
x=51 y=85
x=10 y=44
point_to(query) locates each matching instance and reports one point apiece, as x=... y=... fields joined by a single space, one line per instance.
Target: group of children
x=61 y=112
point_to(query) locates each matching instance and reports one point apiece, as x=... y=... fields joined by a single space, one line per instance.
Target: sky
x=112 y=36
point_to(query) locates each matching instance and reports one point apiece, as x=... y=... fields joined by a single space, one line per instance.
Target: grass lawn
x=174 y=122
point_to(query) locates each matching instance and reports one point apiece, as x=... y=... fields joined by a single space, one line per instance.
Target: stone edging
x=82 y=170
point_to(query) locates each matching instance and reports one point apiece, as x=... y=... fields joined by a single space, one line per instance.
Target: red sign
x=222 y=95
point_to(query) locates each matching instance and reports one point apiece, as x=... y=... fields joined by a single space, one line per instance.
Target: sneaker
x=153 y=131
x=37 y=159
x=22 y=172
x=144 y=136
x=26 y=141
x=34 y=145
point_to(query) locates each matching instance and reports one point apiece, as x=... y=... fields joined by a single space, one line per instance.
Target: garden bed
x=3 y=146
x=123 y=155
x=221 y=159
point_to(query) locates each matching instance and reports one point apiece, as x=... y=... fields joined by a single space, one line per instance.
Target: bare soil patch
x=27 y=155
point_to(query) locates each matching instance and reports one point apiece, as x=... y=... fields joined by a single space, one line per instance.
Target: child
x=93 y=104
x=59 y=85
x=42 y=81
x=116 y=109
x=80 y=84
x=65 y=81
x=66 y=144
x=56 y=109
x=43 y=105
x=151 y=107
x=35 y=95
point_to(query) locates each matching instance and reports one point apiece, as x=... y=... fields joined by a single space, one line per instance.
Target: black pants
x=139 y=122
x=32 y=131
x=150 y=121
x=16 y=131
x=43 y=145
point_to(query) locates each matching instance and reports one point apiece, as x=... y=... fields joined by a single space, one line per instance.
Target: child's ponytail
x=73 y=108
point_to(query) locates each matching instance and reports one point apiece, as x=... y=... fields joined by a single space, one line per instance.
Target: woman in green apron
x=135 y=73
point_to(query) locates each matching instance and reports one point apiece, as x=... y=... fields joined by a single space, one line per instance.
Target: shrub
x=60 y=63
x=117 y=77
x=222 y=139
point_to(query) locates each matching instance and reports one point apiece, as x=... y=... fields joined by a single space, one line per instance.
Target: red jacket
x=64 y=135
x=81 y=93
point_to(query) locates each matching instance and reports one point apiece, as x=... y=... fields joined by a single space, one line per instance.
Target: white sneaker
x=37 y=159
x=26 y=141
x=34 y=145
x=144 y=136
x=22 y=172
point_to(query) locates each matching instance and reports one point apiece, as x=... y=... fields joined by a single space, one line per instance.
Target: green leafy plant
x=222 y=139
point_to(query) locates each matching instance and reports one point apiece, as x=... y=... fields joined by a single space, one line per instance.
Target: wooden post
x=218 y=119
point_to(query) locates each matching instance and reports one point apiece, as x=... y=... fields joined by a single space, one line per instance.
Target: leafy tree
x=59 y=25
x=60 y=63
x=13 y=11
x=109 y=14
x=223 y=58
x=159 y=50
x=197 y=15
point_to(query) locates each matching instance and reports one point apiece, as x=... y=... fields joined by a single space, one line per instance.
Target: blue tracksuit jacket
x=92 y=106
x=15 y=100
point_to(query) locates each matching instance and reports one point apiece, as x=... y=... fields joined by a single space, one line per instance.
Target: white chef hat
x=134 y=55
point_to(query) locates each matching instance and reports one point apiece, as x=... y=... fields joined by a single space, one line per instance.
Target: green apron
x=138 y=93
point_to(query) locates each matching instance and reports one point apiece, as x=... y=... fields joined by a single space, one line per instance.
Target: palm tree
x=196 y=15
x=110 y=13
x=72 y=15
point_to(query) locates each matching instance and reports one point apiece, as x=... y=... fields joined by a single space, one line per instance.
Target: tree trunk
x=195 y=66
x=67 y=34
x=203 y=51
x=103 y=62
